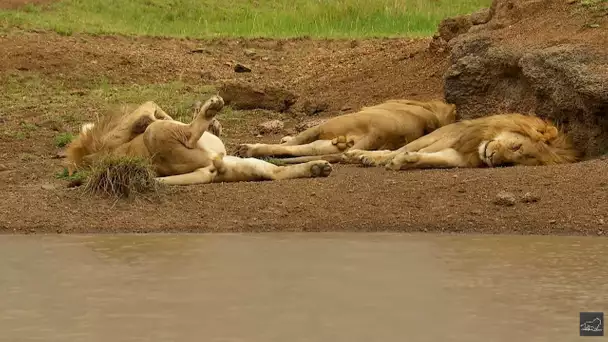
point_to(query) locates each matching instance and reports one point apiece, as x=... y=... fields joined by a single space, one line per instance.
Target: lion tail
x=307 y=136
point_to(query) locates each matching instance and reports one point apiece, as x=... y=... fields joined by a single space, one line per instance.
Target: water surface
x=299 y=287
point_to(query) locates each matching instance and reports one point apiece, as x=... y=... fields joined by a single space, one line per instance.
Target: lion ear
x=547 y=133
x=550 y=133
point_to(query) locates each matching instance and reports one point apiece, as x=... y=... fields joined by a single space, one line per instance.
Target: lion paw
x=353 y=155
x=342 y=143
x=245 y=150
x=320 y=169
x=403 y=161
x=286 y=139
x=215 y=127
x=212 y=106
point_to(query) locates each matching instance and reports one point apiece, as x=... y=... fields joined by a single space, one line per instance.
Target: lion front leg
x=448 y=158
x=369 y=158
x=315 y=148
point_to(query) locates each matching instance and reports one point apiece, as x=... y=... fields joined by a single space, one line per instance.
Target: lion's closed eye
x=516 y=147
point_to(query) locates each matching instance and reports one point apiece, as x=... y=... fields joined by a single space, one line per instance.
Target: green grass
x=246 y=18
x=51 y=99
x=62 y=139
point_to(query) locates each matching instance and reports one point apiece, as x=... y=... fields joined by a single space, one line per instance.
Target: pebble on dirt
x=241 y=68
x=530 y=198
x=506 y=199
x=272 y=126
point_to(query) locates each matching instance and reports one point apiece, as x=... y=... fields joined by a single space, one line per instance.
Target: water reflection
x=299 y=287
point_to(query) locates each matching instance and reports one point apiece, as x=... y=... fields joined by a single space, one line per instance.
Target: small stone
x=60 y=154
x=530 y=198
x=480 y=17
x=272 y=126
x=48 y=187
x=570 y=2
x=600 y=232
x=241 y=68
x=594 y=25
x=552 y=221
x=3 y=167
x=346 y=108
x=249 y=52
x=199 y=50
x=74 y=183
x=506 y=199
x=601 y=221
x=312 y=108
x=265 y=59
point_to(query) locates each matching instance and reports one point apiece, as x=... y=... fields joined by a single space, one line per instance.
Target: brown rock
x=302 y=126
x=480 y=17
x=450 y=28
x=244 y=96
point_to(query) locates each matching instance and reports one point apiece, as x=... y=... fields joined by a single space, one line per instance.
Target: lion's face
x=510 y=148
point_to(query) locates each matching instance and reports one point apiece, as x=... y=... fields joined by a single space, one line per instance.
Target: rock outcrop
x=560 y=79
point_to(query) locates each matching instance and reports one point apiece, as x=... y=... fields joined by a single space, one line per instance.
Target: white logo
x=594 y=325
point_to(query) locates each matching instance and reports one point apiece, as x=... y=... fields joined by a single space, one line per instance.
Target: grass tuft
x=62 y=139
x=121 y=177
x=275 y=161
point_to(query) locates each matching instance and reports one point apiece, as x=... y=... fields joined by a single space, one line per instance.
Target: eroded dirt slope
x=343 y=75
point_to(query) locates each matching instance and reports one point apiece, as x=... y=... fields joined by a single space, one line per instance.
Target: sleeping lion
x=180 y=153
x=491 y=141
x=388 y=125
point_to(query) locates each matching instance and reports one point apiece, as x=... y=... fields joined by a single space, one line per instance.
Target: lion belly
x=211 y=142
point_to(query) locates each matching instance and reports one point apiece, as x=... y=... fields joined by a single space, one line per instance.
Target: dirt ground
x=341 y=75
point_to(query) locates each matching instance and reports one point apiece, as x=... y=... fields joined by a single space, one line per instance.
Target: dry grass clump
x=121 y=177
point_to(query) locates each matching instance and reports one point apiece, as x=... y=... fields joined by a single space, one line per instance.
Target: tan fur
x=181 y=153
x=497 y=140
x=388 y=125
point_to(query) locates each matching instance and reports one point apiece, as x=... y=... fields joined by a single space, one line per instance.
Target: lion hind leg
x=203 y=175
x=203 y=119
x=238 y=169
x=447 y=158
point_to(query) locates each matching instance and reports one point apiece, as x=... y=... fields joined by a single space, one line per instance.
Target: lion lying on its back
x=497 y=140
x=180 y=153
x=388 y=125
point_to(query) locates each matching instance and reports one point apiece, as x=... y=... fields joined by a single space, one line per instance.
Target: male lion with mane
x=181 y=154
x=491 y=141
x=388 y=125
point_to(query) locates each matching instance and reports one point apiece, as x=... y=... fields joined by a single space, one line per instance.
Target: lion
x=492 y=141
x=388 y=125
x=180 y=154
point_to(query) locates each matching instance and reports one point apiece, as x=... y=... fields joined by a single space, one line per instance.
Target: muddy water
x=299 y=287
